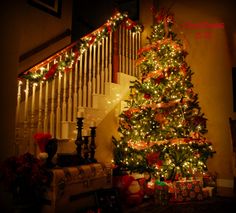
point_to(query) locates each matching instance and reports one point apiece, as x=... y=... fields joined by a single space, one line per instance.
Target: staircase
x=91 y=75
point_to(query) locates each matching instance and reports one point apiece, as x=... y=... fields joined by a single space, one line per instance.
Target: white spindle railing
x=51 y=93
x=58 y=110
x=102 y=68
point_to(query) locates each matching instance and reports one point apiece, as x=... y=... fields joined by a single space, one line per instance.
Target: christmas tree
x=162 y=128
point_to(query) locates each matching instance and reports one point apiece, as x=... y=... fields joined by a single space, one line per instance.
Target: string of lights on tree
x=66 y=64
x=161 y=129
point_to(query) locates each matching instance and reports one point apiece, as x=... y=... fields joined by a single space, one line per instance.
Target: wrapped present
x=210 y=182
x=134 y=193
x=130 y=189
x=188 y=190
x=161 y=195
x=150 y=188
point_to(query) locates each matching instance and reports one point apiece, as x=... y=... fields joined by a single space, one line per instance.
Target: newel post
x=115 y=57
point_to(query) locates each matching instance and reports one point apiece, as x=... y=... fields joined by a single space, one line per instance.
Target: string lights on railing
x=79 y=48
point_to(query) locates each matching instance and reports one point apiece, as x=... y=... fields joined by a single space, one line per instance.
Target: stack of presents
x=134 y=189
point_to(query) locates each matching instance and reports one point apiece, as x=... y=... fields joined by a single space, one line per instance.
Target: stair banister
x=68 y=80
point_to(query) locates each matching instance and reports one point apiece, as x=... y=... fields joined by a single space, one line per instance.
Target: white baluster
x=106 y=61
x=80 y=93
x=110 y=58
x=85 y=94
x=18 y=101
x=130 y=53
x=102 y=68
x=32 y=144
x=133 y=54
x=90 y=76
x=94 y=70
x=98 y=70
x=52 y=113
x=69 y=116
x=127 y=51
x=58 y=111
x=26 y=100
x=45 y=124
x=136 y=54
x=64 y=107
x=18 y=138
x=40 y=124
x=75 y=96
x=26 y=133
x=138 y=47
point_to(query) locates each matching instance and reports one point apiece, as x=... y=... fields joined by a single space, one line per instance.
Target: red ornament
x=147 y=96
x=128 y=113
x=159 y=79
x=152 y=157
x=109 y=28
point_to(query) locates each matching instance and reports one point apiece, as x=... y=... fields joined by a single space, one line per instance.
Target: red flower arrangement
x=25 y=176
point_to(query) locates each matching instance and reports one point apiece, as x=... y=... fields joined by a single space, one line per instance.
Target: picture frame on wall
x=52 y=7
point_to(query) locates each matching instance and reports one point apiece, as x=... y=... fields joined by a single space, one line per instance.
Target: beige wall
x=37 y=27
x=22 y=28
x=211 y=60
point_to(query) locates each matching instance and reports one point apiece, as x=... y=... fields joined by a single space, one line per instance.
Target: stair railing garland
x=56 y=67
x=78 y=48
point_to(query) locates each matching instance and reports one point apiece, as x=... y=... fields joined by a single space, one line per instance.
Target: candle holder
x=86 y=150
x=79 y=140
x=92 y=146
x=85 y=144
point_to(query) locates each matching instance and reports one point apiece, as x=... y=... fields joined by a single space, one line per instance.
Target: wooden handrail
x=50 y=58
x=39 y=48
x=60 y=52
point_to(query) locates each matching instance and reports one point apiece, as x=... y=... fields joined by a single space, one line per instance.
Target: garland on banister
x=63 y=66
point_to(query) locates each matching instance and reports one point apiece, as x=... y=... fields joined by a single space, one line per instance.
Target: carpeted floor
x=213 y=205
x=223 y=202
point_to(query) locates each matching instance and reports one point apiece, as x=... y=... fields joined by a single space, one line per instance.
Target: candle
x=85 y=132
x=80 y=114
x=93 y=124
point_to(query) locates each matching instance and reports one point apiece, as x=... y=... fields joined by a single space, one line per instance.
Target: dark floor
x=223 y=202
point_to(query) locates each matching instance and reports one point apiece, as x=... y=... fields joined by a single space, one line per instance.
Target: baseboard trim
x=228 y=183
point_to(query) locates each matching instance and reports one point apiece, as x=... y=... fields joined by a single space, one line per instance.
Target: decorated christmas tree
x=162 y=128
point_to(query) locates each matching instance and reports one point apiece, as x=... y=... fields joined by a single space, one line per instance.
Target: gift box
x=161 y=195
x=188 y=190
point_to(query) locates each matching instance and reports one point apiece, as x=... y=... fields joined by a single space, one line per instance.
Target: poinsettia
x=25 y=174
